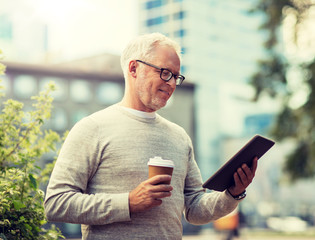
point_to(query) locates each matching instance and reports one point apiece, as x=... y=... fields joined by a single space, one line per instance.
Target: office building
x=220 y=44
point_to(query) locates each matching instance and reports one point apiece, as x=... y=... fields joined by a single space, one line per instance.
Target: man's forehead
x=166 y=56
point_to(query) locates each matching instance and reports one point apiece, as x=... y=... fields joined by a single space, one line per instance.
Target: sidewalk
x=210 y=234
x=244 y=235
x=214 y=236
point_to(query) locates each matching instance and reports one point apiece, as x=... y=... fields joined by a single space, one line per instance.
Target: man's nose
x=172 y=82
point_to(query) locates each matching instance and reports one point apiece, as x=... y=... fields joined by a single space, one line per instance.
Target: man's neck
x=125 y=102
x=139 y=113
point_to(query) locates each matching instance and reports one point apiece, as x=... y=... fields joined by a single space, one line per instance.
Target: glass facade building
x=220 y=45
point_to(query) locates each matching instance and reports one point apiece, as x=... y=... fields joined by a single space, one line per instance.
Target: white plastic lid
x=158 y=161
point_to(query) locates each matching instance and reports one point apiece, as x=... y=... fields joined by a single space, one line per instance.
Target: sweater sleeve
x=202 y=207
x=66 y=198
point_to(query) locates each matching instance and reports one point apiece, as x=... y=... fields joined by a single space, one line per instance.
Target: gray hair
x=143 y=46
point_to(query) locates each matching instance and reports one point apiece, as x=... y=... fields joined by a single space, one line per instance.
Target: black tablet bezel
x=223 y=177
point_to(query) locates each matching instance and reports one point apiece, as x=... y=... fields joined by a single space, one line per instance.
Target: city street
x=211 y=235
x=216 y=237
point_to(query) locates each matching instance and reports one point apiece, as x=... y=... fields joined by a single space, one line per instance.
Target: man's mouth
x=164 y=91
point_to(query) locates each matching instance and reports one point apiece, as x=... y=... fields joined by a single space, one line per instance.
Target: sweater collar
x=141 y=114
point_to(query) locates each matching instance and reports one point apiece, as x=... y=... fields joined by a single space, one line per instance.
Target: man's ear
x=133 y=68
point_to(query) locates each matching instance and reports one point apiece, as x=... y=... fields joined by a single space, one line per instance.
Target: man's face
x=152 y=92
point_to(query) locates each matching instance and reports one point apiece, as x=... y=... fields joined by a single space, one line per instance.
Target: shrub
x=22 y=144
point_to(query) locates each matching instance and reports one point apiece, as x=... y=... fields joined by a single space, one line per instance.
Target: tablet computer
x=223 y=177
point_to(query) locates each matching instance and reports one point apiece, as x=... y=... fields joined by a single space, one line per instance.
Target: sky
x=79 y=28
x=91 y=26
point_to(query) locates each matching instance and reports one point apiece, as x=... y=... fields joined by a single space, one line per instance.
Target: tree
x=22 y=144
x=289 y=77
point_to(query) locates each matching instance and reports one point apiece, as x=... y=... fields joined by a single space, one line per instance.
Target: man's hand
x=148 y=194
x=243 y=177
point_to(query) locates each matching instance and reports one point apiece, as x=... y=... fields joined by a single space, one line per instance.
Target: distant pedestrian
x=229 y=225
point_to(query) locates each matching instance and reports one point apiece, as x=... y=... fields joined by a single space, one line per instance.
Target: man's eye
x=166 y=73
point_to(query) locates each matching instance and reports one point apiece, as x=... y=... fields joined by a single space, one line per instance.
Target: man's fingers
x=160 y=196
x=254 y=165
x=149 y=193
x=237 y=180
x=247 y=172
x=156 y=202
x=242 y=174
x=161 y=188
x=159 y=179
x=243 y=177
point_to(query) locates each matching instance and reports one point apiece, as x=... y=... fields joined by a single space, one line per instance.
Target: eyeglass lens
x=166 y=74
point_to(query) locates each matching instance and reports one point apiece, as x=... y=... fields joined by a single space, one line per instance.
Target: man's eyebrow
x=176 y=73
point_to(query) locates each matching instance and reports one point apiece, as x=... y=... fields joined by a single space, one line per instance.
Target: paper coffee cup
x=158 y=166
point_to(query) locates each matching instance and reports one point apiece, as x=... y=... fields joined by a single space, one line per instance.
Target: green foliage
x=22 y=144
x=293 y=121
x=2 y=66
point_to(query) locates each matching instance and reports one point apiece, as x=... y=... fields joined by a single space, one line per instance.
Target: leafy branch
x=274 y=77
x=22 y=144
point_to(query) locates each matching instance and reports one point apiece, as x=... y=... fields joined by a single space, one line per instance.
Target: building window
x=78 y=115
x=179 y=15
x=155 y=3
x=180 y=33
x=183 y=69
x=80 y=91
x=60 y=94
x=25 y=86
x=5 y=27
x=259 y=123
x=157 y=20
x=72 y=229
x=109 y=93
x=6 y=85
x=59 y=119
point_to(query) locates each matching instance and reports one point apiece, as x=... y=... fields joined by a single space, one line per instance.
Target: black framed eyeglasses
x=166 y=74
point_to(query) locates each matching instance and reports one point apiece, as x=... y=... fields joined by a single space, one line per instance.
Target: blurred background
x=249 y=67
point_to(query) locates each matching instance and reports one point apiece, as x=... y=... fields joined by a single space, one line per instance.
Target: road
x=211 y=235
x=243 y=237
x=248 y=235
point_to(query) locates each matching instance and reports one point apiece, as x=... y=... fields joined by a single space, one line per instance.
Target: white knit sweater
x=105 y=156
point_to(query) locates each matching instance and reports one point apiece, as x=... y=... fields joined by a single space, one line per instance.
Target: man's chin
x=158 y=106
